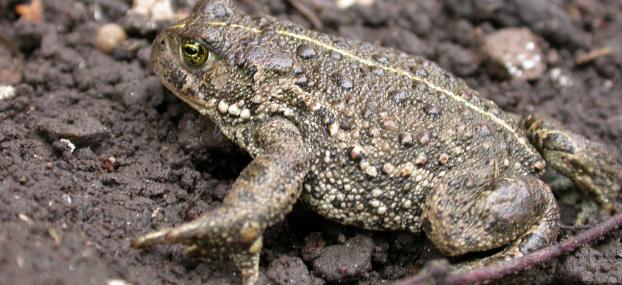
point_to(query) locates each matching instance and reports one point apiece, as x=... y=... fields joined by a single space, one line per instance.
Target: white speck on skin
x=223 y=106
x=376 y=192
x=245 y=114
x=234 y=110
x=382 y=210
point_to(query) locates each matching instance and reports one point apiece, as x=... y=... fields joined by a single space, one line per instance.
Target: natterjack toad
x=366 y=136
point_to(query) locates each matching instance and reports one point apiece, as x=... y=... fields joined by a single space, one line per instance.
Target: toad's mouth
x=194 y=102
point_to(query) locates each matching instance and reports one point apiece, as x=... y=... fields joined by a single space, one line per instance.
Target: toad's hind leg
x=263 y=193
x=585 y=162
x=470 y=214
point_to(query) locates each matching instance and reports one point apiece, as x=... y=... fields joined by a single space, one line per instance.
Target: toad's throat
x=521 y=140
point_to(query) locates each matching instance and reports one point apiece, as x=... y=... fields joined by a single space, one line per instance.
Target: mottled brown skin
x=366 y=136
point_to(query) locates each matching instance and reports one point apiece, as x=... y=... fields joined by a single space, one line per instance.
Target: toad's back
x=382 y=126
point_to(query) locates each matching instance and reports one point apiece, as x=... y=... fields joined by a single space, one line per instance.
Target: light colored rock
x=156 y=10
x=514 y=53
x=109 y=37
x=7 y=92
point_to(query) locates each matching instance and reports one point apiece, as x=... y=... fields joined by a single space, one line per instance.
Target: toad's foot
x=262 y=195
x=585 y=162
x=475 y=212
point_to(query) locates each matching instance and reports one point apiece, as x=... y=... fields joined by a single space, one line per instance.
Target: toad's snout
x=160 y=52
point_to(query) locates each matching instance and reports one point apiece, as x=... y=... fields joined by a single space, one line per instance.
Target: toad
x=365 y=136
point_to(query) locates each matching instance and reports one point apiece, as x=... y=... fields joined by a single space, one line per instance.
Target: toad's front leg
x=261 y=196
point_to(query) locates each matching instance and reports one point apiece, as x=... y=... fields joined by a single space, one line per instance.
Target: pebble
x=313 y=247
x=109 y=37
x=156 y=10
x=287 y=270
x=7 y=92
x=514 y=53
x=549 y=19
x=80 y=129
x=346 y=262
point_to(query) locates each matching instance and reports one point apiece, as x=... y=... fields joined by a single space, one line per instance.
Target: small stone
x=109 y=37
x=514 y=53
x=6 y=92
x=287 y=270
x=347 y=262
x=313 y=246
x=109 y=164
x=156 y=10
x=79 y=128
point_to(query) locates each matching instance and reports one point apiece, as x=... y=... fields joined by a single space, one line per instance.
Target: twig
x=614 y=119
x=522 y=263
x=592 y=55
x=308 y=13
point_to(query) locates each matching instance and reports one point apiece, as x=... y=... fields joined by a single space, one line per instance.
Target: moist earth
x=96 y=152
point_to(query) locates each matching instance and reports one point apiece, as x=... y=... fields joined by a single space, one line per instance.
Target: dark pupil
x=192 y=50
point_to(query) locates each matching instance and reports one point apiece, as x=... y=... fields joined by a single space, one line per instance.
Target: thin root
x=430 y=275
x=308 y=13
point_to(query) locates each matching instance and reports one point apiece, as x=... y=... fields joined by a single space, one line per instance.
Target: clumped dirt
x=136 y=158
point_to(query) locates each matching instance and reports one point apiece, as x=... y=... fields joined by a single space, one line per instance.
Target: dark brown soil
x=67 y=217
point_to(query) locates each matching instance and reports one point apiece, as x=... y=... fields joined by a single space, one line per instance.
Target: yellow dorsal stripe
x=370 y=63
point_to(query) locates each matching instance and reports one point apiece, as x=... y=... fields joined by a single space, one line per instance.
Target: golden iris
x=194 y=53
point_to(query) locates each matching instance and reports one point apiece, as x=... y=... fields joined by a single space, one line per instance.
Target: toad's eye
x=194 y=53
